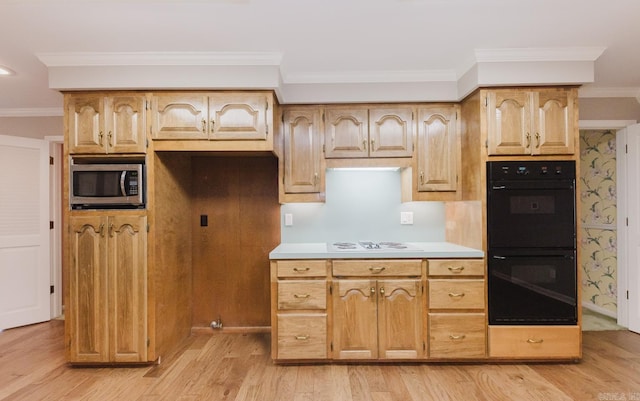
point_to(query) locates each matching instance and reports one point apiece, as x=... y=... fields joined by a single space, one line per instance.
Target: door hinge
x=627 y=221
x=51 y=160
x=627 y=294
x=51 y=225
x=626 y=148
x=51 y=289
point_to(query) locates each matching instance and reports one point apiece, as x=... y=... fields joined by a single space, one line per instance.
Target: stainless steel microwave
x=107 y=186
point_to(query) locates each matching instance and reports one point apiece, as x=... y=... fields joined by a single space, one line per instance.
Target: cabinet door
x=127 y=278
x=85 y=124
x=302 y=173
x=125 y=119
x=391 y=132
x=437 y=149
x=355 y=334
x=238 y=116
x=509 y=122
x=179 y=116
x=86 y=320
x=554 y=122
x=400 y=319
x=346 y=132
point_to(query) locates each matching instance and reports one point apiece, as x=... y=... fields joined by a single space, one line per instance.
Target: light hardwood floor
x=222 y=366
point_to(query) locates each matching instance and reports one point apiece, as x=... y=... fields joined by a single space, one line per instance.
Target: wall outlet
x=406 y=217
x=288 y=219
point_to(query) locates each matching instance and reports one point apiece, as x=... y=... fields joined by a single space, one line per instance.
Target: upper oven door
x=531 y=214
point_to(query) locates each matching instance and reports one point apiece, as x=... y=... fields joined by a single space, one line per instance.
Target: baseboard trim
x=600 y=310
x=228 y=330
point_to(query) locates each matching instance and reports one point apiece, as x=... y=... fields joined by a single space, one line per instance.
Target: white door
x=632 y=221
x=24 y=232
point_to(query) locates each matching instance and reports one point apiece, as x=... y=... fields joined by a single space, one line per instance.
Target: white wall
x=32 y=127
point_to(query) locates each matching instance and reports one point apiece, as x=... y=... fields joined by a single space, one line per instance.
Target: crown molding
x=506 y=55
x=590 y=91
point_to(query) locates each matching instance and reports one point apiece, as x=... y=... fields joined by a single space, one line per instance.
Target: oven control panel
x=531 y=170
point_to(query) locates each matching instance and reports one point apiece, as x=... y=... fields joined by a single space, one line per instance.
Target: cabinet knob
x=528 y=140
x=537 y=140
x=456 y=294
x=422 y=178
x=110 y=139
x=301 y=296
x=457 y=269
x=381 y=290
x=377 y=269
x=300 y=269
x=204 y=126
x=457 y=337
x=302 y=337
x=535 y=341
x=373 y=290
x=100 y=135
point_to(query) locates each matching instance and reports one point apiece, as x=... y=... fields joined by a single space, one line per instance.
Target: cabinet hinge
x=148 y=227
x=323 y=116
x=146 y=105
x=424 y=346
x=147 y=142
x=51 y=160
x=148 y=342
x=323 y=148
x=331 y=346
x=51 y=225
x=486 y=143
x=486 y=101
x=52 y=289
x=267 y=133
x=330 y=290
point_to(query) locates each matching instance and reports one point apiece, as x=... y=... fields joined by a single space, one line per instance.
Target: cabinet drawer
x=377 y=267
x=457 y=335
x=302 y=294
x=534 y=341
x=456 y=294
x=302 y=268
x=456 y=267
x=302 y=336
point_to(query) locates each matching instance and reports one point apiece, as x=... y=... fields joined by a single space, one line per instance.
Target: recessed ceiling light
x=5 y=71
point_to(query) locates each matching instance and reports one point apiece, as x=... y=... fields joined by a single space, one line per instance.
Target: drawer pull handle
x=300 y=269
x=376 y=269
x=457 y=337
x=303 y=337
x=457 y=269
x=456 y=294
x=534 y=341
x=301 y=296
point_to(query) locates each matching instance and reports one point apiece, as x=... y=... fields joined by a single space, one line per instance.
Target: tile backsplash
x=362 y=205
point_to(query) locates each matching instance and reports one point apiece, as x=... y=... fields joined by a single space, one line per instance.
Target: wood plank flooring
x=220 y=366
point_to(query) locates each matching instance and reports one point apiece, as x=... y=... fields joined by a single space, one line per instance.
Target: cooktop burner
x=371 y=245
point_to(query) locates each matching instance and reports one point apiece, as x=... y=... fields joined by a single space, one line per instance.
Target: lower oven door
x=532 y=287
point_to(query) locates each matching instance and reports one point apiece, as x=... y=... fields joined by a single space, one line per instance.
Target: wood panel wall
x=239 y=196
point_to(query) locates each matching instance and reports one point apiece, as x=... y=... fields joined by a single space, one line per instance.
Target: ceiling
x=315 y=51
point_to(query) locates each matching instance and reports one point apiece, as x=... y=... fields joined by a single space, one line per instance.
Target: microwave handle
x=123 y=176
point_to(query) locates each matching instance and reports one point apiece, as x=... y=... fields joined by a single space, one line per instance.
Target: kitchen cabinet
x=360 y=131
x=216 y=116
x=299 y=309
x=457 y=317
x=377 y=318
x=535 y=342
x=106 y=319
x=303 y=165
x=438 y=149
x=531 y=122
x=105 y=124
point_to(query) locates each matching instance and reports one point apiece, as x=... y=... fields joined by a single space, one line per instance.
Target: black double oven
x=531 y=221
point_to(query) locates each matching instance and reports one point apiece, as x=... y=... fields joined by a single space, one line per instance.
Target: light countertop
x=421 y=250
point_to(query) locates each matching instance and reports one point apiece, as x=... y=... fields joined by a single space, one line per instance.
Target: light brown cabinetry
x=437 y=149
x=299 y=309
x=377 y=318
x=457 y=323
x=106 y=319
x=531 y=122
x=303 y=163
x=101 y=123
x=359 y=131
x=221 y=116
x=535 y=342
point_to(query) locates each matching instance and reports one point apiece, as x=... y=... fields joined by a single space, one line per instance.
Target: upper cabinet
x=531 y=122
x=232 y=116
x=438 y=149
x=358 y=131
x=303 y=167
x=99 y=124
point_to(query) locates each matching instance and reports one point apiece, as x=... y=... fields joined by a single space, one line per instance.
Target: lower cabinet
x=457 y=335
x=377 y=319
x=535 y=342
x=106 y=311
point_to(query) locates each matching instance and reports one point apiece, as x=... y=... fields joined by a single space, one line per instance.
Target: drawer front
x=377 y=267
x=534 y=342
x=302 y=294
x=456 y=267
x=302 y=336
x=457 y=335
x=456 y=294
x=302 y=268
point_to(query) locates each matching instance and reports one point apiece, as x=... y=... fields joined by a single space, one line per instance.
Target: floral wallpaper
x=598 y=259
